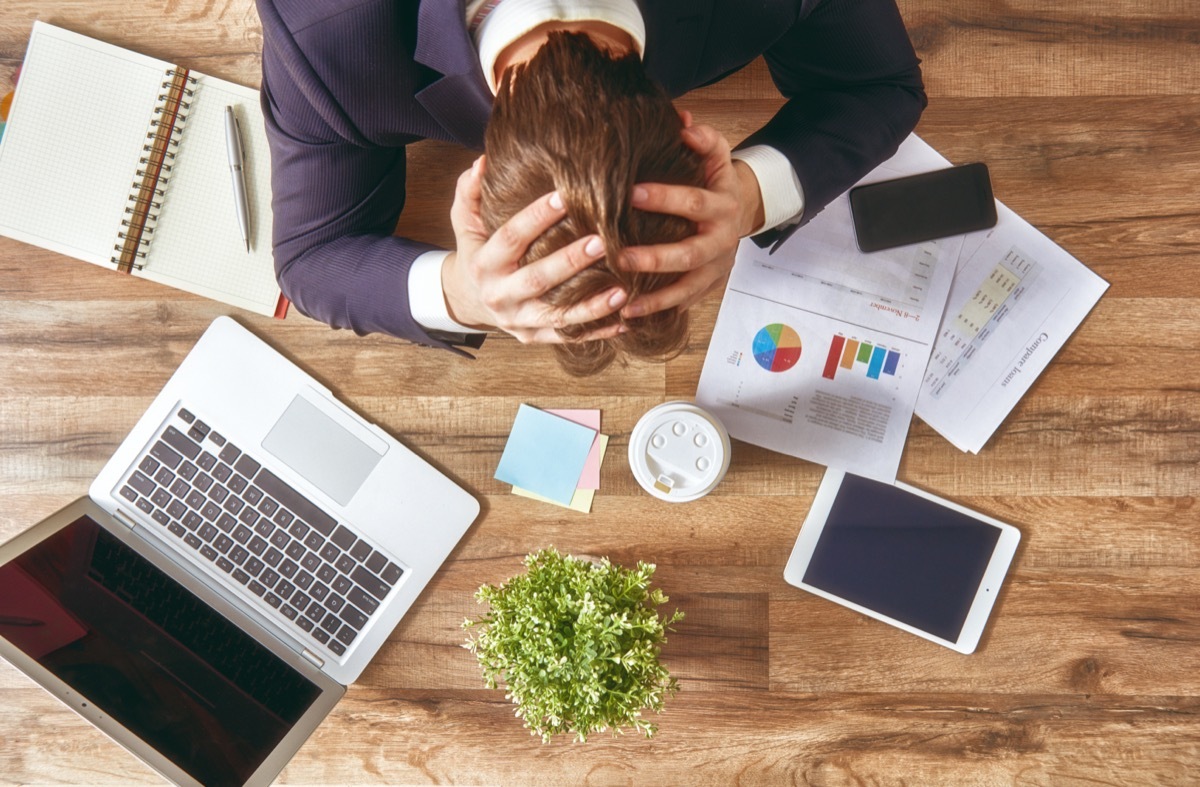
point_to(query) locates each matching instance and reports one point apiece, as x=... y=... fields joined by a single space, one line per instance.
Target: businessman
x=347 y=84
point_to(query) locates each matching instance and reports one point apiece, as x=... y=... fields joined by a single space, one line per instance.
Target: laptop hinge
x=124 y=518
x=313 y=657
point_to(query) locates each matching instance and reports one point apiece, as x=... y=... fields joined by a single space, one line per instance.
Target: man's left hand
x=728 y=207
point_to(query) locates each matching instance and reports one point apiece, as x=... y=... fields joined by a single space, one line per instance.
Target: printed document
x=819 y=351
x=1016 y=299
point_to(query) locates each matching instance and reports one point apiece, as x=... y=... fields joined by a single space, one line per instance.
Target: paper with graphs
x=819 y=350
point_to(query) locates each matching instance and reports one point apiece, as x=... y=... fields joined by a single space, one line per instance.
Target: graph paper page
x=70 y=151
x=197 y=245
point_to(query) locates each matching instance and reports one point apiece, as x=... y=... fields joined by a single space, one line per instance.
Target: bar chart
x=848 y=353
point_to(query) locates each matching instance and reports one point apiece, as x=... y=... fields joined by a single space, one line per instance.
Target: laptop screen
x=147 y=652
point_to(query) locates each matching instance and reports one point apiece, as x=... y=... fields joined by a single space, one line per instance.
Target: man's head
x=577 y=120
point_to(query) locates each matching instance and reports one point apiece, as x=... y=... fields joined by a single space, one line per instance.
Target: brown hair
x=576 y=119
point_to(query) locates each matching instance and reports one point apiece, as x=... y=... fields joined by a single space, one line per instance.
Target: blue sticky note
x=545 y=454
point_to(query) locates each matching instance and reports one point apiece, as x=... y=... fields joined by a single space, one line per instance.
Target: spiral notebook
x=120 y=160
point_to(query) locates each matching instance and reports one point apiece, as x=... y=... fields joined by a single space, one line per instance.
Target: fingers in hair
x=681 y=294
x=597 y=307
x=539 y=277
x=689 y=254
x=509 y=242
x=690 y=202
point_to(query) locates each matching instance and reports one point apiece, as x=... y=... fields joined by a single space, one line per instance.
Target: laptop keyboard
x=283 y=553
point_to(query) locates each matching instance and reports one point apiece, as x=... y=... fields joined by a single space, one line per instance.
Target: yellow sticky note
x=581 y=501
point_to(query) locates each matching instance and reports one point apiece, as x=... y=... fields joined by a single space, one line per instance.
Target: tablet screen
x=902 y=556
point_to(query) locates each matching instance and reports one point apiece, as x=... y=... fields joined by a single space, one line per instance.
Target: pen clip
x=237 y=124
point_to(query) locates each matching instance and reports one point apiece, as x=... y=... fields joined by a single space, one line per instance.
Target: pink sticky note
x=591 y=468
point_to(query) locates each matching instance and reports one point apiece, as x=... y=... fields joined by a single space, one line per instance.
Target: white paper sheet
x=819 y=350
x=1016 y=299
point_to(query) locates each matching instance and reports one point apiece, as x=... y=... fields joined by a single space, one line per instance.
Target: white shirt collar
x=511 y=19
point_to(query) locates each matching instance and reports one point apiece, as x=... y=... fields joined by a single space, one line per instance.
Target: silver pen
x=237 y=158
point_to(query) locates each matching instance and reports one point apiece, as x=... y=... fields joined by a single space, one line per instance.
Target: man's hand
x=727 y=208
x=485 y=286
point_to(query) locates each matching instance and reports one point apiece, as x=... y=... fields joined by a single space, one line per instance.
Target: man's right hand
x=485 y=286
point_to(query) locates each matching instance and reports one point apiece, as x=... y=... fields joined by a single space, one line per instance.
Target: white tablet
x=903 y=556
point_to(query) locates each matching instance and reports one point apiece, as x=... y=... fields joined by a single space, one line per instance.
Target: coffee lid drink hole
x=679 y=451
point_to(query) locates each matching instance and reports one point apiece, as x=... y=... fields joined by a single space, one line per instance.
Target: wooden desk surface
x=1090 y=671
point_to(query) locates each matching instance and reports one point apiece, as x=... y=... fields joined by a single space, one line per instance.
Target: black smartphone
x=922 y=207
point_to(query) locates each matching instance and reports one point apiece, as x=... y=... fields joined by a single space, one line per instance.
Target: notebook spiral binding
x=154 y=170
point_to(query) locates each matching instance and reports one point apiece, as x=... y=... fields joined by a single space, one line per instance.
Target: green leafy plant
x=576 y=644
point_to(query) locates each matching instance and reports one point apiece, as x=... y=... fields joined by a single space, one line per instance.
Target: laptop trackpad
x=322 y=451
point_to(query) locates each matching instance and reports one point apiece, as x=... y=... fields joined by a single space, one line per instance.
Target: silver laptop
x=238 y=561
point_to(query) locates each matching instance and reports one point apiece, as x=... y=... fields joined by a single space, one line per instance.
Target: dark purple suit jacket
x=348 y=83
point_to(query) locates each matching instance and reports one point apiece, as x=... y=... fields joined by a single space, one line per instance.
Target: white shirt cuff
x=782 y=194
x=426 y=302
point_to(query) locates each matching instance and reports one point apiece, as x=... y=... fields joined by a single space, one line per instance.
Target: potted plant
x=576 y=644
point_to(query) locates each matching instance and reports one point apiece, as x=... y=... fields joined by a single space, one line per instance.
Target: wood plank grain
x=1138 y=635
x=833 y=739
x=1052 y=445
x=1033 y=47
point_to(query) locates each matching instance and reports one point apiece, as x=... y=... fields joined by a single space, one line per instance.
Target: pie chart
x=777 y=347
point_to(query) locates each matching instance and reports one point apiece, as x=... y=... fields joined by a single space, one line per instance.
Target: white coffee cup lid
x=679 y=451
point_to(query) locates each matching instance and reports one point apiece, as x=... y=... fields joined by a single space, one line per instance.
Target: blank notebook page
x=197 y=245
x=71 y=148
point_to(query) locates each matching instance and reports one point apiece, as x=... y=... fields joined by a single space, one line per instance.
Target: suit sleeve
x=336 y=199
x=854 y=92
